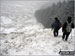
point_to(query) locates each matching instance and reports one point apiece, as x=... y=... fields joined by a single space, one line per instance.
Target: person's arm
x=72 y=25
x=53 y=24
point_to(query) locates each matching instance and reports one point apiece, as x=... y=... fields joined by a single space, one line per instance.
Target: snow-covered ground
x=35 y=42
x=21 y=34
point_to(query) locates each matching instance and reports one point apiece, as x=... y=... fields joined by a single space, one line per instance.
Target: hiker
x=66 y=28
x=56 y=26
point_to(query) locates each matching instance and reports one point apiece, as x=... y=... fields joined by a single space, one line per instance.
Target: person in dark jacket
x=56 y=26
x=66 y=28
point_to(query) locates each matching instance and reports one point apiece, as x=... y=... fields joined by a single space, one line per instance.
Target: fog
x=19 y=11
x=25 y=27
x=61 y=10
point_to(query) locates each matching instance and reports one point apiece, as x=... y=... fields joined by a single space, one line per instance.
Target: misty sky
x=28 y=4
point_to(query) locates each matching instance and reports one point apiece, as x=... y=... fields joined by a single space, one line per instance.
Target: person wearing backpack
x=66 y=28
x=56 y=26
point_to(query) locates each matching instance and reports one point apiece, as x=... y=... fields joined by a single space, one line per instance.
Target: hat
x=69 y=18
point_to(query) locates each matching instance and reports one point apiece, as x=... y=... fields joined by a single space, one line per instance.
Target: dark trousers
x=65 y=35
x=55 y=33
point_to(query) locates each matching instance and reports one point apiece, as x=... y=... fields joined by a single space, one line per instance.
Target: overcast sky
x=28 y=5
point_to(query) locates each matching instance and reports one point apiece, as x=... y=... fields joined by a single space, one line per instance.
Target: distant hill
x=61 y=10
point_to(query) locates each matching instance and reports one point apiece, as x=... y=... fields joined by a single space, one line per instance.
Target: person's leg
x=57 y=33
x=54 y=33
x=67 y=35
x=64 y=33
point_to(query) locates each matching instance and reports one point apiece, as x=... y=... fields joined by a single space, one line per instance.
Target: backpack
x=68 y=27
x=58 y=25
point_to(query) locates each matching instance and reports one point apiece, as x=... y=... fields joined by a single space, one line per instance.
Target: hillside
x=25 y=27
x=61 y=10
x=37 y=42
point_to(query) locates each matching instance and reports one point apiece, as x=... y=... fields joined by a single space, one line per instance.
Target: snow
x=9 y=30
x=38 y=42
x=29 y=37
x=5 y=20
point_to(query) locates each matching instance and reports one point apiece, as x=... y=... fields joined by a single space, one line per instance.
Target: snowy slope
x=21 y=34
x=35 y=42
x=18 y=15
